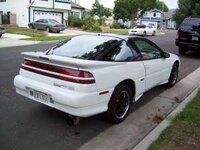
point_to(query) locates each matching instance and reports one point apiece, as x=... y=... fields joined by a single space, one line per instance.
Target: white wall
x=60 y=5
x=151 y=14
x=19 y=7
x=40 y=3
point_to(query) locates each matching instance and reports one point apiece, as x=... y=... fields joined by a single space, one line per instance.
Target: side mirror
x=165 y=55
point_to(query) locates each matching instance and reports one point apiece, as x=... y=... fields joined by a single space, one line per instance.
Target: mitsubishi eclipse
x=92 y=74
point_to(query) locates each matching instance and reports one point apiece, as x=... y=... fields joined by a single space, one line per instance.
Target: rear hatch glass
x=84 y=47
x=189 y=23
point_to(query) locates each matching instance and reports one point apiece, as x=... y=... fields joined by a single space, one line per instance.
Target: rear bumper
x=187 y=45
x=72 y=102
x=55 y=29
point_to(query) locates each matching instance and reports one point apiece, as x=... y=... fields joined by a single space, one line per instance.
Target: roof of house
x=155 y=10
x=168 y=15
x=77 y=6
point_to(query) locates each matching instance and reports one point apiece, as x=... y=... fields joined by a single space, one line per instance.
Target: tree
x=161 y=6
x=186 y=8
x=100 y=10
x=128 y=9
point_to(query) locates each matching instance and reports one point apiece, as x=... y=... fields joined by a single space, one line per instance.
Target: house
x=31 y=10
x=169 y=23
x=77 y=10
x=152 y=17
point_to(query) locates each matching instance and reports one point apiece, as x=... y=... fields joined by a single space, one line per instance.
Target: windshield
x=85 y=47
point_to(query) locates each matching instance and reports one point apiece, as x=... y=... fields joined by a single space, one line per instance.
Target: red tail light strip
x=65 y=74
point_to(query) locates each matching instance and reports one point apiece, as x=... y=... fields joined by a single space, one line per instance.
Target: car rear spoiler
x=67 y=61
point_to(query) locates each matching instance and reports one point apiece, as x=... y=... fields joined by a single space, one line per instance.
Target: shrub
x=115 y=25
x=75 y=21
x=96 y=28
x=85 y=28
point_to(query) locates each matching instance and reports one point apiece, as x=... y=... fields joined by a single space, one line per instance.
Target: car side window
x=39 y=21
x=120 y=53
x=45 y=21
x=147 y=49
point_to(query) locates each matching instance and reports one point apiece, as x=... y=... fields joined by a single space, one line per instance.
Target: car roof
x=119 y=36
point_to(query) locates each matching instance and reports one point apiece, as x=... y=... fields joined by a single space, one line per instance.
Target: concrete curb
x=155 y=133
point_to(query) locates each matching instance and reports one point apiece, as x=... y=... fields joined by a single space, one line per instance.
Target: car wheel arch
x=131 y=84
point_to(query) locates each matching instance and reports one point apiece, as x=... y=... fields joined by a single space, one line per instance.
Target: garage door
x=47 y=15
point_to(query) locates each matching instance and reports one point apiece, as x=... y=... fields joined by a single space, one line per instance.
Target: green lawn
x=27 y=32
x=119 y=31
x=184 y=131
x=34 y=35
x=47 y=38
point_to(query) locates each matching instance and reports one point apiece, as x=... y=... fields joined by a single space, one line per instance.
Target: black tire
x=119 y=105
x=174 y=75
x=57 y=31
x=144 y=33
x=154 y=33
x=0 y=35
x=31 y=26
x=182 y=51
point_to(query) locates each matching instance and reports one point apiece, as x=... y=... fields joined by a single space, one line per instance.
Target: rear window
x=189 y=22
x=85 y=47
x=141 y=27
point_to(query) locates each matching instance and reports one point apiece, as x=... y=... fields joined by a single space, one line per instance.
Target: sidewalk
x=13 y=40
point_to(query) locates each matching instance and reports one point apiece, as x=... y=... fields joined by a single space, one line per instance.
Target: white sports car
x=91 y=74
x=143 y=30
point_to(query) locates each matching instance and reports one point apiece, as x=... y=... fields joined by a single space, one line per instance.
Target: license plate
x=40 y=96
x=194 y=38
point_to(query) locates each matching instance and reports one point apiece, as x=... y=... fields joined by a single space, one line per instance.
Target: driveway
x=12 y=40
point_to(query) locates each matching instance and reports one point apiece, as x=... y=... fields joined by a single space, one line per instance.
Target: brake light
x=61 y=73
x=178 y=34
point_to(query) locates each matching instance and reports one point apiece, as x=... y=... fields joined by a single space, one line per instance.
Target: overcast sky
x=110 y=3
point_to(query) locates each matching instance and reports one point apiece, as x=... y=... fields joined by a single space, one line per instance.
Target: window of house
x=76 y=14
x=154 y=14
x=2 y=0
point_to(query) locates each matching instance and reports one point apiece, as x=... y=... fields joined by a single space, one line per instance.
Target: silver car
x=2 y=31
x=50 y=25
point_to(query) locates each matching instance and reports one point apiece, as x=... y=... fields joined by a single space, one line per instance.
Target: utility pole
x=162 y=26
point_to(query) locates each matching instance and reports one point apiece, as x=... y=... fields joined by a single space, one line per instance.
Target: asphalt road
x=28 y=125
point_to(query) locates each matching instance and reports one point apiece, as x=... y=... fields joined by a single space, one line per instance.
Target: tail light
x=178 y=34
x=61 y=73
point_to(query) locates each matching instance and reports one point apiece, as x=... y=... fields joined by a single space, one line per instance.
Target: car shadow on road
x=194 y=55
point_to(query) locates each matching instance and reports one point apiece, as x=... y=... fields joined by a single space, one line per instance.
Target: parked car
x=123 y=25
x=50 y=25
x=2 y=31
x=143 y=30
x=92 y=74
x=188 y=35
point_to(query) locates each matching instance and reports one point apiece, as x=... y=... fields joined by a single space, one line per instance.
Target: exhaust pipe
x=72 y=120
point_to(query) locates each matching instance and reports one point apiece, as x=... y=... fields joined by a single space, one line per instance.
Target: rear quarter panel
x=109 y=77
